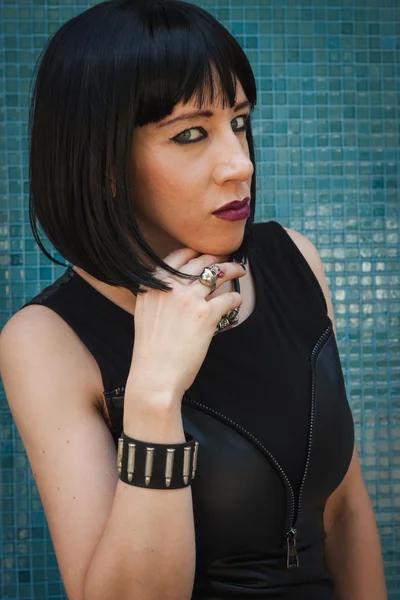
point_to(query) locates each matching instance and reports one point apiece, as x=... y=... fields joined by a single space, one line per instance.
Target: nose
x=234 y=161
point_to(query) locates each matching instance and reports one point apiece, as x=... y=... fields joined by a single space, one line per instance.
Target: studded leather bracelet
x=157 y=466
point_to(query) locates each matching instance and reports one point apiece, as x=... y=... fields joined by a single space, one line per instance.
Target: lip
x=235 y=205
x=236 y=214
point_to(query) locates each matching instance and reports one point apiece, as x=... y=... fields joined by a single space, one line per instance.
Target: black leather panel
x=232 y=491
x=241 y=509
x=241 y=502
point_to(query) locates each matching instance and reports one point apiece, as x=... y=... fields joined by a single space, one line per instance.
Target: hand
x=173 y=330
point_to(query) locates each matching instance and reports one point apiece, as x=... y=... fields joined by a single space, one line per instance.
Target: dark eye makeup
x=176 y=139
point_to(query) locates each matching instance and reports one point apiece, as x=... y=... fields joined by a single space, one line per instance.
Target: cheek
x=168 y=187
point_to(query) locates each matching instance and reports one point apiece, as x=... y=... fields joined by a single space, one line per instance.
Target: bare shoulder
x=312 y=256
x=38 y=339
x=305 y=245
x=308 y=250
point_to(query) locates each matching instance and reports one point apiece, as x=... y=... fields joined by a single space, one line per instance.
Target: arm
x=112 y=540
x=352 y=545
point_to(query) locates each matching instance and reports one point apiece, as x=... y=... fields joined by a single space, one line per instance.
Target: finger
x=223 y=303
x=229 y=271
x=196 y=265
x=180 y=257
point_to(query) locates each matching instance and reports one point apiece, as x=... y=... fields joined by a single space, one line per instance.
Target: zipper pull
x=292 y=560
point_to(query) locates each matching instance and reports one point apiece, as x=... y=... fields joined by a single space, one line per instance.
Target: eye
x=185 y=136
x=245 y=119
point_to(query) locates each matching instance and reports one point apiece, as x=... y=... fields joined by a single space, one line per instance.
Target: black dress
x=270 y=411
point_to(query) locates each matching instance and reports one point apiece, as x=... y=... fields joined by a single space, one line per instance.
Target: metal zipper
x=111 y=396
x=115 y=392
x=321 y=340
x=292 y=557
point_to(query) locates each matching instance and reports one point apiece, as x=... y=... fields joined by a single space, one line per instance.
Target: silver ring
x=209 y=276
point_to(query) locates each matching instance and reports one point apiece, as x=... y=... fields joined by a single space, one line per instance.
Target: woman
x=187 y=440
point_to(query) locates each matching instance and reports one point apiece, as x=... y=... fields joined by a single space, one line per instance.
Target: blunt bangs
x=119 y=65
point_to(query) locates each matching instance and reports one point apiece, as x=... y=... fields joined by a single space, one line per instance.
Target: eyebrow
x=201 y=113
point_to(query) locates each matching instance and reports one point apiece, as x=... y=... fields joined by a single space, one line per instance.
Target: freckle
x=58 y=428
x=58 y=488
x=67 y=441
x=44 y=452
x=74 y=497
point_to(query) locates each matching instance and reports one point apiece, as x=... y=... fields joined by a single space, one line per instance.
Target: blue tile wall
x=327 y=135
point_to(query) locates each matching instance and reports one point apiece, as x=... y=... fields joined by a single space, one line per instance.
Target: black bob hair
x=120 y=64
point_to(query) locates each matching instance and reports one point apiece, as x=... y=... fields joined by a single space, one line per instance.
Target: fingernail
x=221 y=274
x=243 y=266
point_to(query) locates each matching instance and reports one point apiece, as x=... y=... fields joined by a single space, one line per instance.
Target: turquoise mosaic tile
x=327 y=144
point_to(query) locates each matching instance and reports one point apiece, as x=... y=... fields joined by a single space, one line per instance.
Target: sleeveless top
x=270 y=411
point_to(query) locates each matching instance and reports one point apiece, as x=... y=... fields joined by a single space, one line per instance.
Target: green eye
x=185 y=139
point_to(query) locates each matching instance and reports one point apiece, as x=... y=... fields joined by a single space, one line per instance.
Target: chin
x=220 y=248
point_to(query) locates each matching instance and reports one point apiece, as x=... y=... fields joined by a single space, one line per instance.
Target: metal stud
x=120 y=453
x=186 y=464
x=148 y=469
x=131 y=460
x=169 y=463
x=194 y=467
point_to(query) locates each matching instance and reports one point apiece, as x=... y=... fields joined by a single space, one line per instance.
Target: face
x=185 y=170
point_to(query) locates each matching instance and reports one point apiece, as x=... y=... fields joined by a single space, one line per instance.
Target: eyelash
x=246 y=118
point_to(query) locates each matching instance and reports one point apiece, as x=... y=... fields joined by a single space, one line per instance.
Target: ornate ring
x=231 y=318
x=209 y=276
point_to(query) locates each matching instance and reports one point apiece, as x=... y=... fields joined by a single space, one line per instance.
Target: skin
x=192 y=180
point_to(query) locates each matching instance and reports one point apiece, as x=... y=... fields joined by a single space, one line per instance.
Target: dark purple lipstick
x=234 y=211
